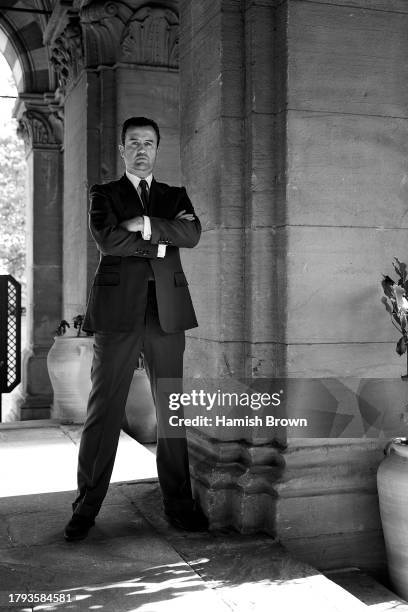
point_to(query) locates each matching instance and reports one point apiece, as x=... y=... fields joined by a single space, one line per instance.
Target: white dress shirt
x=135 y=180
x=147 y=227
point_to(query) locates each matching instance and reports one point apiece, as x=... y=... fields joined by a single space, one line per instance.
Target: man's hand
x=183 y=216
x=136 y=224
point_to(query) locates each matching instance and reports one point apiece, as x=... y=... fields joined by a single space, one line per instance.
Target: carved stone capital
x=114 y=32
x=67 y=56
x=103 y=22
x=99 y=10
x=40 y=128
x=150 y=38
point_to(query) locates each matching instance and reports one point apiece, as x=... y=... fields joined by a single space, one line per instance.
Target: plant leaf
x=401 y=346
x=387 y=284
x=386 y=304
x=402 y=267
x=399 y=294
x=396 y=318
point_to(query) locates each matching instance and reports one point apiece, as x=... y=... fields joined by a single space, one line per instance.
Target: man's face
x=140 y=150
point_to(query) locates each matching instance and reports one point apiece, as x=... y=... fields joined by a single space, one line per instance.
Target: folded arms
x=125 y=238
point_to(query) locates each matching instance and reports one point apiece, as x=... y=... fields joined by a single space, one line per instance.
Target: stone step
x=368 y=590
x=31 y=424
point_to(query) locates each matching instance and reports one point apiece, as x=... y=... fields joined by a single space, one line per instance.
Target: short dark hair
x=139 y=122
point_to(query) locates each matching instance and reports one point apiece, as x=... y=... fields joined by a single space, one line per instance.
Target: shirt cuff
x=147 y=228
x=161 y=251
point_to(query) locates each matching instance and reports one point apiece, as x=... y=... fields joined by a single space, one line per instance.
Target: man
x=139 y=302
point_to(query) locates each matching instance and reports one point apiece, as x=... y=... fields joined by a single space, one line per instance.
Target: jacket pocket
x=107 y=278
x=180 y=280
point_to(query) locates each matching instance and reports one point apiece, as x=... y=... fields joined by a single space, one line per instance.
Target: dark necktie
x=144 y=194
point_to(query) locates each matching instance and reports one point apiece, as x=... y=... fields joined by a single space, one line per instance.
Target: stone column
x=81 y=103
x=112 y=60
x=292 y=142
x=233 y=166
x=41 y=129
x=213 y=167
x=345 y=133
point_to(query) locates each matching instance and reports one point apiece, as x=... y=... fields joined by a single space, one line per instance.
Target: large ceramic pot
x=69 y=364
x=139 y=421
x=392 y=482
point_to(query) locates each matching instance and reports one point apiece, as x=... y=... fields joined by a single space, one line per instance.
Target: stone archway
x=37 y=112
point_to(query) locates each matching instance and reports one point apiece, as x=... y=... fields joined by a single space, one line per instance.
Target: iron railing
x=10 y=334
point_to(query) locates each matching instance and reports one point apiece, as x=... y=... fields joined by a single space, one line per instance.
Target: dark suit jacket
x=118 y=296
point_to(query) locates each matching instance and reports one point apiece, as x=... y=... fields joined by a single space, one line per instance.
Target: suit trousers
x=115 y=359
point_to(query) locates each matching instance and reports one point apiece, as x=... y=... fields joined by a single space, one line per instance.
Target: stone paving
x=132 y=559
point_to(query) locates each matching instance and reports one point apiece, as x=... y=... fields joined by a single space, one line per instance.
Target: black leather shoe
x=77 y=528
x=193 y=520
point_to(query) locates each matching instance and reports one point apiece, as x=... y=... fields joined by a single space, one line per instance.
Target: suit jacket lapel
x=129 y=198
x=156 y=200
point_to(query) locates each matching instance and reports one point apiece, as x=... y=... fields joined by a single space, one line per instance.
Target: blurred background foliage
x=12 y=184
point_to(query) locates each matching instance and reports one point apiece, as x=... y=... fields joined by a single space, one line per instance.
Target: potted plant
x=69 y=365
x=396 y=303
x=392 y=475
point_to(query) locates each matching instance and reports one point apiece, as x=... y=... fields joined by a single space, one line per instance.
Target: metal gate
x=10 y=334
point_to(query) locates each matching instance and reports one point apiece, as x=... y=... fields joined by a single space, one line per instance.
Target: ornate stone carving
x=151 y=38
x=36 y=131
x=99 y=10
x=103 y=22
x=67 y=54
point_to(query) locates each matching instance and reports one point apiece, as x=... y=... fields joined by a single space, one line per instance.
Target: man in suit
x=139 y=302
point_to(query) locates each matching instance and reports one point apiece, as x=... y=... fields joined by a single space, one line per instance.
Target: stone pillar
x=213 y=167
x=113 y=60
x=41 y=129
x=232 y=160
x=81 y=101
x=233 y=164
x=346 y=172
x=291 y=146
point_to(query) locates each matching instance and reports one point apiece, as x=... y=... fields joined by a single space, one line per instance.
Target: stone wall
x=346 y=183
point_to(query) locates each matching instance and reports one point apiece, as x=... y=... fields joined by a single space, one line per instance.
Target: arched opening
x=22 y=47
x=12 y=177
x=12 y=195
